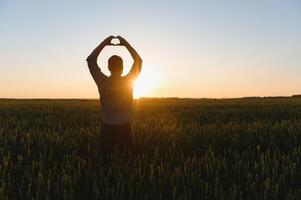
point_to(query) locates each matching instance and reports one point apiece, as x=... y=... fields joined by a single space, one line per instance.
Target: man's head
x=115 y=65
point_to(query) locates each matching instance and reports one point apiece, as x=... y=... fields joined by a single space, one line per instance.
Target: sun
x=146 y=83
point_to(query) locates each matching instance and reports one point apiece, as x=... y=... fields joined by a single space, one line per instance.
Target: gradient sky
x=193 y=48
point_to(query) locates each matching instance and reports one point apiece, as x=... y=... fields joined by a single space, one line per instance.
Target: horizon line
x=171 y=97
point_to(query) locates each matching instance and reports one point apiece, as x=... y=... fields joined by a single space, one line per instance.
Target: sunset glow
x=200 y=49
x=146 y=83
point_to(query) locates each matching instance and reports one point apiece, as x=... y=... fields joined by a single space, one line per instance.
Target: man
x=116 y=96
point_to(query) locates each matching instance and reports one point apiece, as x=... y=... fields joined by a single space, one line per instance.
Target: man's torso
x=116 y=96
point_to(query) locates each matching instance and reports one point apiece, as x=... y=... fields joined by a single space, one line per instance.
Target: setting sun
x=146 y=83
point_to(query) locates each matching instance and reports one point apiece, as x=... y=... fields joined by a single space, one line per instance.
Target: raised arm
x=95 y=71
x=136 y=67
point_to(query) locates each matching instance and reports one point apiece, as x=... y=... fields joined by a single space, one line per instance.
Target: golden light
x=146 y=83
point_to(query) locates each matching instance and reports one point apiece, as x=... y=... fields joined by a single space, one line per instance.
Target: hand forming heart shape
x=115 y=41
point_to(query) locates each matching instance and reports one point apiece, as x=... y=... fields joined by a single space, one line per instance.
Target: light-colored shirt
x=116 y=97
x=115 y=92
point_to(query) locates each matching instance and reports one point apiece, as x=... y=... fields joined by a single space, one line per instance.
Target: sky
x=192 y=48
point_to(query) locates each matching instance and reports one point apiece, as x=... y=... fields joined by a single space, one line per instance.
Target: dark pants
x=115 y=137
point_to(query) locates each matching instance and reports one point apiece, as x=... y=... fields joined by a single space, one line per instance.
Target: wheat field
x=184 y=149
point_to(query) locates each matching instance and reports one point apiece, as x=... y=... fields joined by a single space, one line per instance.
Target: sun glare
x=146 y=83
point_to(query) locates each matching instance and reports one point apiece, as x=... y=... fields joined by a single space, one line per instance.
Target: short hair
x=115 y=63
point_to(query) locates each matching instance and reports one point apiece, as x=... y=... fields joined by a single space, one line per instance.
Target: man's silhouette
x=116 y=96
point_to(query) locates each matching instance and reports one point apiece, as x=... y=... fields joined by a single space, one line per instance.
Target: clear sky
x=190 y=48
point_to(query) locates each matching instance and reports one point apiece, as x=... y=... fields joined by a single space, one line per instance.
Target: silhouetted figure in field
x=116 y=96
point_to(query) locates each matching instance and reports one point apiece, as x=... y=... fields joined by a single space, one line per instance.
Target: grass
x=185 y=149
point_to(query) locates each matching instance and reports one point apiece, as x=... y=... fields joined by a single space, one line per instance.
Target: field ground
x=185 y=149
